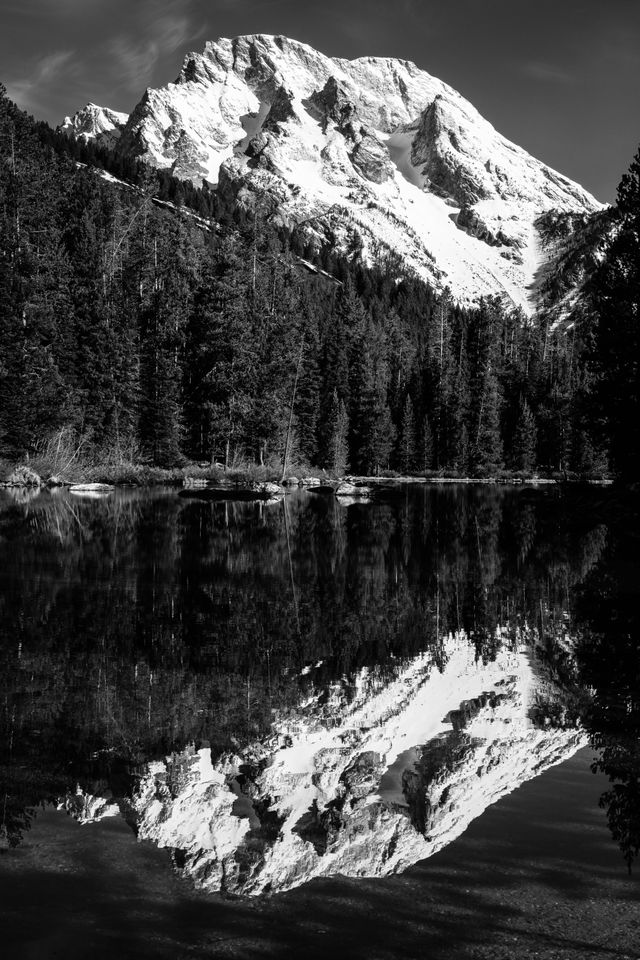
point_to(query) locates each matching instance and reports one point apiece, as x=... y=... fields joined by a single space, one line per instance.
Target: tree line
x=159 y=336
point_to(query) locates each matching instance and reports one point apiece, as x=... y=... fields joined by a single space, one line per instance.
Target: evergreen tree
x=308 y=392
x=616 y=300
x=408 y=454
x=220 y=353
x=486 y=448
x=334 y=374
x=372 y=430
x=163 y=323
x=338 y=432
x=425 y=447
x=525 y=439
x=554 y=419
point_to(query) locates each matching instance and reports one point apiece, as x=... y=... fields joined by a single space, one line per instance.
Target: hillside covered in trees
x=156 y=323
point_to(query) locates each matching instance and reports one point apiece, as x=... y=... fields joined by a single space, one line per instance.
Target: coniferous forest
x=156 y=323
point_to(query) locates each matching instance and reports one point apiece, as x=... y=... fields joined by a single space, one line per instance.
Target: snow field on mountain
x=251 y=108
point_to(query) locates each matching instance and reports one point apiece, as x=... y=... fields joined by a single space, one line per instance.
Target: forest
x=154 y=322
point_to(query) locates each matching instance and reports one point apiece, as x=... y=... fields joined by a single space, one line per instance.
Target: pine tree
x=334 y=376
x=486 y=448
x=308 y=394
x=163 y=324
x=616 y=299
x=383 y=432
x=372 y=430
x=408 y=454
x=221 y=354
x=554 y=427
x=337 y=461
x=485 y=406
x=525 y=439
x=425 y=447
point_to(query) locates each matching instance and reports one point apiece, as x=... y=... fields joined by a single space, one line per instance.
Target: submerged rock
x=93 y=491
x=270 y=489
x=258 y=491
x=346 y=489
x=91 y=487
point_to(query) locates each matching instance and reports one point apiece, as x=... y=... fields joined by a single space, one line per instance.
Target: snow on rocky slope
x=95 y=123
x=364 y=779
x=374 y=146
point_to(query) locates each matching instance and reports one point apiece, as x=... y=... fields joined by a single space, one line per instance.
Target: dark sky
x=559 y=77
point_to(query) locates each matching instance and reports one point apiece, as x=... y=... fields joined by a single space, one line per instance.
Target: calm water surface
x=276 y=692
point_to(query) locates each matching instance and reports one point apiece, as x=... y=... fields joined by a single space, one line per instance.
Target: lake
x=280 y=695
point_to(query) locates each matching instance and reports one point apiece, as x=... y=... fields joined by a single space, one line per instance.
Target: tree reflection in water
x=137 y=624
x=608 y=662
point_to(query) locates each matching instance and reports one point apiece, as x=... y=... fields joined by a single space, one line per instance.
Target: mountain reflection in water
x=282 y=690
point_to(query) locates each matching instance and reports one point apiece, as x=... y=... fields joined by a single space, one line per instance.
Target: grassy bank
x=65 y=459
x=146 y=475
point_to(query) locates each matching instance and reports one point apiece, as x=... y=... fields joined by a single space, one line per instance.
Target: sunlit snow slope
x=374 y=146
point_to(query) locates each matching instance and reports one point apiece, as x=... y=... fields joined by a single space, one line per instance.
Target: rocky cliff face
x=371 y=145
x=364 y=779
x=100 y=124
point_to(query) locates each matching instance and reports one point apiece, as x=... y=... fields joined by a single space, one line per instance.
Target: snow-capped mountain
x=371 y=146
x=95 y=123
x=362 y=779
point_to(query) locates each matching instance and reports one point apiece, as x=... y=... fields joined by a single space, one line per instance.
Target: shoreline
x=214 y=477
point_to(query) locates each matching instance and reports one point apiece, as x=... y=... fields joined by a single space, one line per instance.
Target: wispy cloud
x=134 y=58
x=31 y=92
x=547 y=72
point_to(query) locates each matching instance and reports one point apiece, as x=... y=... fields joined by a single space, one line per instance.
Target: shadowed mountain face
x=300 y=689
x=372 y=146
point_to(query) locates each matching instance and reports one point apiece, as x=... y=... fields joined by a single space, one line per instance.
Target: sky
x=561 y=78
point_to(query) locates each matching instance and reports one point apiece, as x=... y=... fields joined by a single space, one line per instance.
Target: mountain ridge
x=93 y=122
x=374 y=147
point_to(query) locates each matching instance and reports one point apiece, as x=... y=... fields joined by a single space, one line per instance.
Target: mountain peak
x=391 y=152
x=96 y=123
